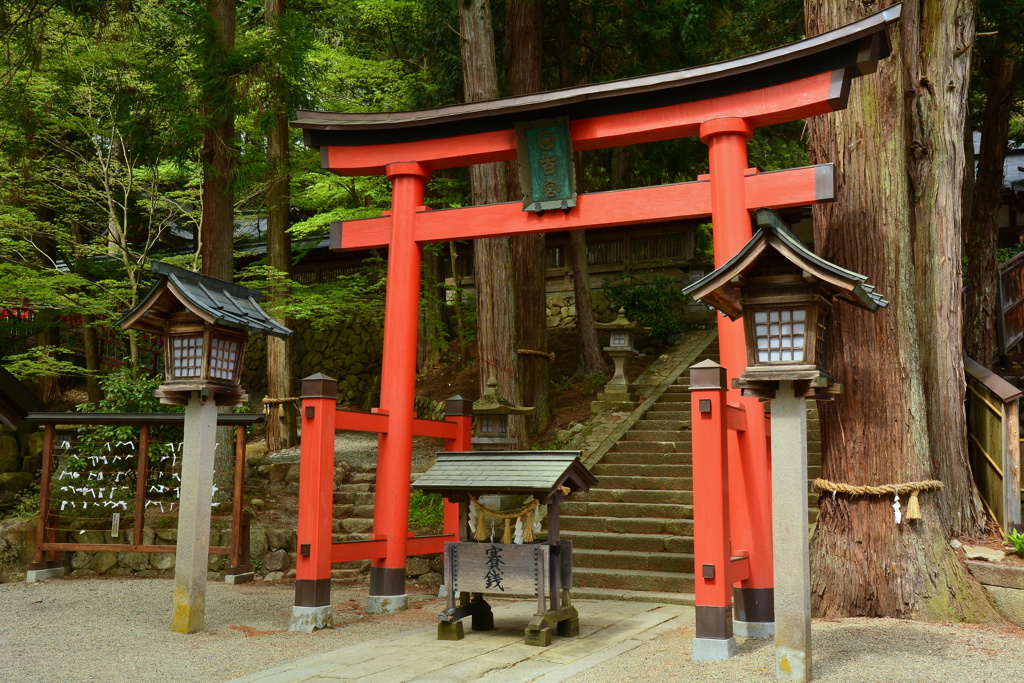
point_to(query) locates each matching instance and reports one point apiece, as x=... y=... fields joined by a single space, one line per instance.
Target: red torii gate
x=723 y=104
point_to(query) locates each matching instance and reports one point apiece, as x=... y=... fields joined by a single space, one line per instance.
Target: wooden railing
x=993 y=428
x=1010 y=304
x=130 y=473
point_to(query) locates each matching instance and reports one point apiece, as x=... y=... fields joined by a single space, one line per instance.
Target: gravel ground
x=114 y=630
x=845 y=651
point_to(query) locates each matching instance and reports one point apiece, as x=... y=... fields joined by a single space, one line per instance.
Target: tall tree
x=1002 y=73
x=217 y=104
x=282 y=428
x=493 y=269
x=899 y=158
x=524 y=74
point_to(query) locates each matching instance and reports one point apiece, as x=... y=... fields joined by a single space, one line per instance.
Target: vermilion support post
x=398 y=389
x=712 y=551
x=312 y=608
x=749 y=460
x=460 y=411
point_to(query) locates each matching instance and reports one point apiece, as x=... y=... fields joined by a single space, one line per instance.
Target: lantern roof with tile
x=723 y=287
x=493 y=403
x=621 y=324
x=538 y=473
x=215 y=301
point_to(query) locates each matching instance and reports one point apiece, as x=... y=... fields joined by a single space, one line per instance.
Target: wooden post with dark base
x=193 y=549
x=790 y=534
x=45 y=565
x=312 y=609
x=712 y=544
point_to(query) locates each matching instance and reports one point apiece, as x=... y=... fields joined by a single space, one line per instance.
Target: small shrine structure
x=502 y=559
x=491 y=415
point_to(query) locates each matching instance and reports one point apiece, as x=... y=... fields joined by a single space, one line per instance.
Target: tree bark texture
x=982 y=276
x=216 y=230
x=591 y=358
x=90 y=340
x=428 y=352
x=282 y=427
x=524 y=74
x=898 y=153
x=493 y=268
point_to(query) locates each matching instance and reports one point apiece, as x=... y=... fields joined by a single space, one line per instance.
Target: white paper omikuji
x=896 y=508
x=472 y=517
x=519 y=531
x=536 y=520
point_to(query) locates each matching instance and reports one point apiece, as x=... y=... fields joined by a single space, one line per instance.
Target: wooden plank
x=797 y=99
x=237 y=559
x=1011 y=467
x=141 y=475
x=779 y=189
x=124 y=548
x=223 y=419
x=1002 y=389
x=736 y=418
x=499 y=567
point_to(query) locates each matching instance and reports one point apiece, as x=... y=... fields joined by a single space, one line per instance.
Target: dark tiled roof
x=773 y=231
x=16 y=401
x=229 y=304
x=506 y=471
x=839 y=50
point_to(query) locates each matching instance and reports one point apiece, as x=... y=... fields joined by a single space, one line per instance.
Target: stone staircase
x=632 y=535
x=353 y=515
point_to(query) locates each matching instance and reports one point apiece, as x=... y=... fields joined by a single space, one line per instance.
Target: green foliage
x=426 y=510
x=705 y=241
x=39 y=362
x=25 y=504
x=650 y=299
x=1016 y=539
x=1007 y=253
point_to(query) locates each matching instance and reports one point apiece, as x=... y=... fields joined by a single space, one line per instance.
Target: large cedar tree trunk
x=216 y=230
x=282 y=431
x=524 y=27
x=428 y=351
x=493 y=268
x=983 y=227
x=899 y=157
x=90 y=340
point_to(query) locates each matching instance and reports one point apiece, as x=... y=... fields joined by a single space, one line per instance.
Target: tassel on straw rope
x=481 y=532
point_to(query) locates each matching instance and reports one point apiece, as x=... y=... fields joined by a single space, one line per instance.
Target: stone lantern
x=618 y=393
x=784 y=293
x=205 y=323
x=491 y=414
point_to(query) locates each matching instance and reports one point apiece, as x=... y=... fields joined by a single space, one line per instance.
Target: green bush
x=649 y=299
x=426 y=510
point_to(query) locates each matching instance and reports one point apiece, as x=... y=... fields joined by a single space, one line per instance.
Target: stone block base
x=753 y=629
x=386 y=604
x=309 y=619
x=239 y=578
x=712 y=649
x=34 y=575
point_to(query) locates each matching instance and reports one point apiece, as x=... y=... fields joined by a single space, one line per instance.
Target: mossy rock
x=15 y=482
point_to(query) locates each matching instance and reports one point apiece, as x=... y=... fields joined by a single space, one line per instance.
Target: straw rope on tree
x=267 y=402
x=545 y=354
x=912 y=487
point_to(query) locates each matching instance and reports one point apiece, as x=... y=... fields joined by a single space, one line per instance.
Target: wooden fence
x=993 y=427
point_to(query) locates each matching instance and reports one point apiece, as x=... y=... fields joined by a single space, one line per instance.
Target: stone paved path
x=607 y=629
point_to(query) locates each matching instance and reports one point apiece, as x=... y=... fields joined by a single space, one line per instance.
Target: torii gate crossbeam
x=723 y=104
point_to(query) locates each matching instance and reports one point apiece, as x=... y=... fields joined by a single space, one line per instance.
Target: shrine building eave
x=840 y=55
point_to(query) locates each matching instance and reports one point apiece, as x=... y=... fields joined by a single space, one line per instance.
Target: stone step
x=677 y=389
x=662 y=436
x=660 y=425
x=652 y=414
x=650 y=447
x=587 y=593
x=353 y=488
x=642 y=458
x=634 y=510
x=644 y=543
x=342 y=537
x=667 y=582
x=633 y=561
x=623 y=470
x=630 y=496
x=647 y=483
x=611 y=525
x=675 y=397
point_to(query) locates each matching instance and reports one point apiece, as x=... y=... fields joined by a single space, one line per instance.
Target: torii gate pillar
x=398 y=389
x=749 y=460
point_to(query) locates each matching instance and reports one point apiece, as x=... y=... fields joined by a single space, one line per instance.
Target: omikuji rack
x=47 y=546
